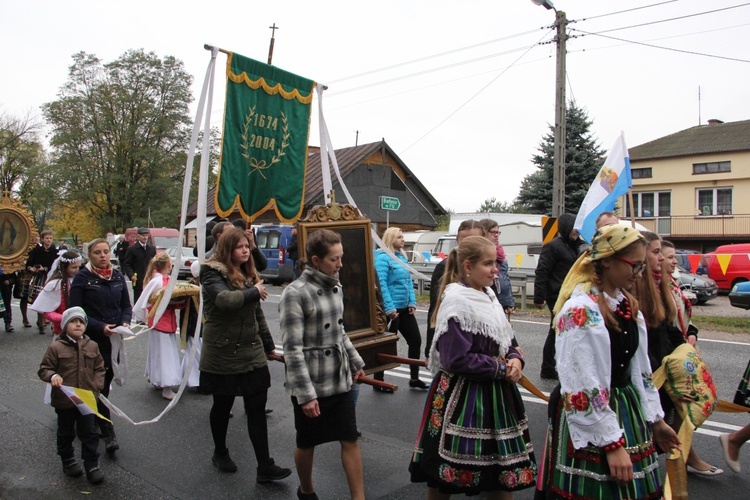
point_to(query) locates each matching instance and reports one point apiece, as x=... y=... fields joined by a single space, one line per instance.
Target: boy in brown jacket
x=74 y=360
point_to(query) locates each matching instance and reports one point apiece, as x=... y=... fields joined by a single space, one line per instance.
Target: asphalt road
x=172 y=458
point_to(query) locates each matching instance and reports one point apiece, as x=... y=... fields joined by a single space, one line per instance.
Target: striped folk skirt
x=473 y=437
x=584 y=473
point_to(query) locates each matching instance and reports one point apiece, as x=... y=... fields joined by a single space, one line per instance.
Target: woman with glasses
x=663 y=315
x=501 y=285
x=605 y=413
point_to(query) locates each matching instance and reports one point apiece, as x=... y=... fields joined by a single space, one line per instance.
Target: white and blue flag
x=612 y=181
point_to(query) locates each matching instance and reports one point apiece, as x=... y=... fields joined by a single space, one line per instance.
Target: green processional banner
x=264 y=145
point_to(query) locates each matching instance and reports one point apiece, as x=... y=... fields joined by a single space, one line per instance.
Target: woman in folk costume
x=667 y=315
x=163 y=361
x=53 y=299
x=684 y=309
x=605 y=414
x=474 y=435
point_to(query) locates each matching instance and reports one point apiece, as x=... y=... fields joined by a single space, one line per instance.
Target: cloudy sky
x=463 y=91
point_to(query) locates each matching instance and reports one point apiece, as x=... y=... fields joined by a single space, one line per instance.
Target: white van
x=419 y=245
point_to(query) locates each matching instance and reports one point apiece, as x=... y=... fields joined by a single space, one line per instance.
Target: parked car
x=684 y=261
x=704 y=287
x=729 y=265
x=184 y=260
x=740 y=295
x=273 y=240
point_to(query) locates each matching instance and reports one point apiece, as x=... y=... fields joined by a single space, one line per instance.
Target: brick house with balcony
x=693 y=187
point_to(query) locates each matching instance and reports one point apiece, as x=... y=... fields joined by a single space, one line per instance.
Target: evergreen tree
x=583 y=159
x=492 y=205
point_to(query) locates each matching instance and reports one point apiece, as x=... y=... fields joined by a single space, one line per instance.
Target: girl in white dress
x=163 y=361
x=53 y=299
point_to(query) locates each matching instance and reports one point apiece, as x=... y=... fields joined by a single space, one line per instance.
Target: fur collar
x=217 y=266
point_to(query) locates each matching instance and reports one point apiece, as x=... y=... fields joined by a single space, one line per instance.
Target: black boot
x=110 y=438
x=271 y=472
x=223 y=461
x=95 y=475
x=71 y=467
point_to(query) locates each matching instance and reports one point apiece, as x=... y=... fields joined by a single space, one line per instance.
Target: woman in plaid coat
x=321 y=363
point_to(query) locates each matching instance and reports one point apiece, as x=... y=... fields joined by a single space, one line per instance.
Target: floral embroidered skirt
x=473 y=437
x=584 y=474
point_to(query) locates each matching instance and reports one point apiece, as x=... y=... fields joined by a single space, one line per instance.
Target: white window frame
x=639 y=204
x=714 y=202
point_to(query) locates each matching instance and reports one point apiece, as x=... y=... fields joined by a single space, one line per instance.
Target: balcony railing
x=702 y=226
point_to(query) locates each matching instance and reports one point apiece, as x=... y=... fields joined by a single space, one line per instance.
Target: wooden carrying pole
x=390 y=358
x=377 y=383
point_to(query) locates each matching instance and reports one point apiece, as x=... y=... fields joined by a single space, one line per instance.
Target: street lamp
x=547 y=4
x=558 y=162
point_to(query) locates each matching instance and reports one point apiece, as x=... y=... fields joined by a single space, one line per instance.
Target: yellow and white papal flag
x=84 y=400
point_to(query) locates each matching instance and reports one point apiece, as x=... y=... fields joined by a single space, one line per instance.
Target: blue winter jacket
x=502 y=286
x=395 y=282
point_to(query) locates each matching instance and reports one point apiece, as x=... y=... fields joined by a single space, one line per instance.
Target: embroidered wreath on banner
x=253 y=163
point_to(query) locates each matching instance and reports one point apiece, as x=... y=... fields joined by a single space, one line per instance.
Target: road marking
x=723 y=341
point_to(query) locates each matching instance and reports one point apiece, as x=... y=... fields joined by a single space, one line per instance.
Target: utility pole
x=273 y=39
x=558 y=164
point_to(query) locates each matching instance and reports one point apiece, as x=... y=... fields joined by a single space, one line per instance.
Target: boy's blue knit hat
x=72 y=313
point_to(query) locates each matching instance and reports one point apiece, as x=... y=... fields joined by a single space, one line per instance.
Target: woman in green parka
x=236 y=345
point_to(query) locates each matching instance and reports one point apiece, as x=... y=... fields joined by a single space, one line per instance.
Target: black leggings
x=407 y=324
x=257 y=428
x=109 y=375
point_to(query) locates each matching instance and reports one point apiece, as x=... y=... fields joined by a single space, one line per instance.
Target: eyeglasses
x=494 y=231
x=637 y=267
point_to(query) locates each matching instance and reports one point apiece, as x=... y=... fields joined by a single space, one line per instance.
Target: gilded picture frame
x=16 y=230
x=357 y=274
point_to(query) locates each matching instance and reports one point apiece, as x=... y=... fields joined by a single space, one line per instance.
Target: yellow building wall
x=676 y=176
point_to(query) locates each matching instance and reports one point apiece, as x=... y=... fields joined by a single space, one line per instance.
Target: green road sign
x=389 y=203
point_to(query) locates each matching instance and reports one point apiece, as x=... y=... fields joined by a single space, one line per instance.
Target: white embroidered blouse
x=584 y=367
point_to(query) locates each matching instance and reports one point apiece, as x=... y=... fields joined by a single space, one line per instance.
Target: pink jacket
x=55 y=317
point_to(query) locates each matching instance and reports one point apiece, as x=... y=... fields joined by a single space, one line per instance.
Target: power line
x=664 y=37
x=673 y=18
x=433 y=56
x=433 y=70
x=422 y=88
x=472 y=97
x=667 y=48
x=627 y=10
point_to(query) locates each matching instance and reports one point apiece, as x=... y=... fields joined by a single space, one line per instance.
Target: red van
x=160 y=237
x=738 y=268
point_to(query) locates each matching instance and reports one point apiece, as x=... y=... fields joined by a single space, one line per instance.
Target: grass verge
x=722 y=324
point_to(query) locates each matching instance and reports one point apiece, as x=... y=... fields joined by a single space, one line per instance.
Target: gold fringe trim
x=261 y=83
